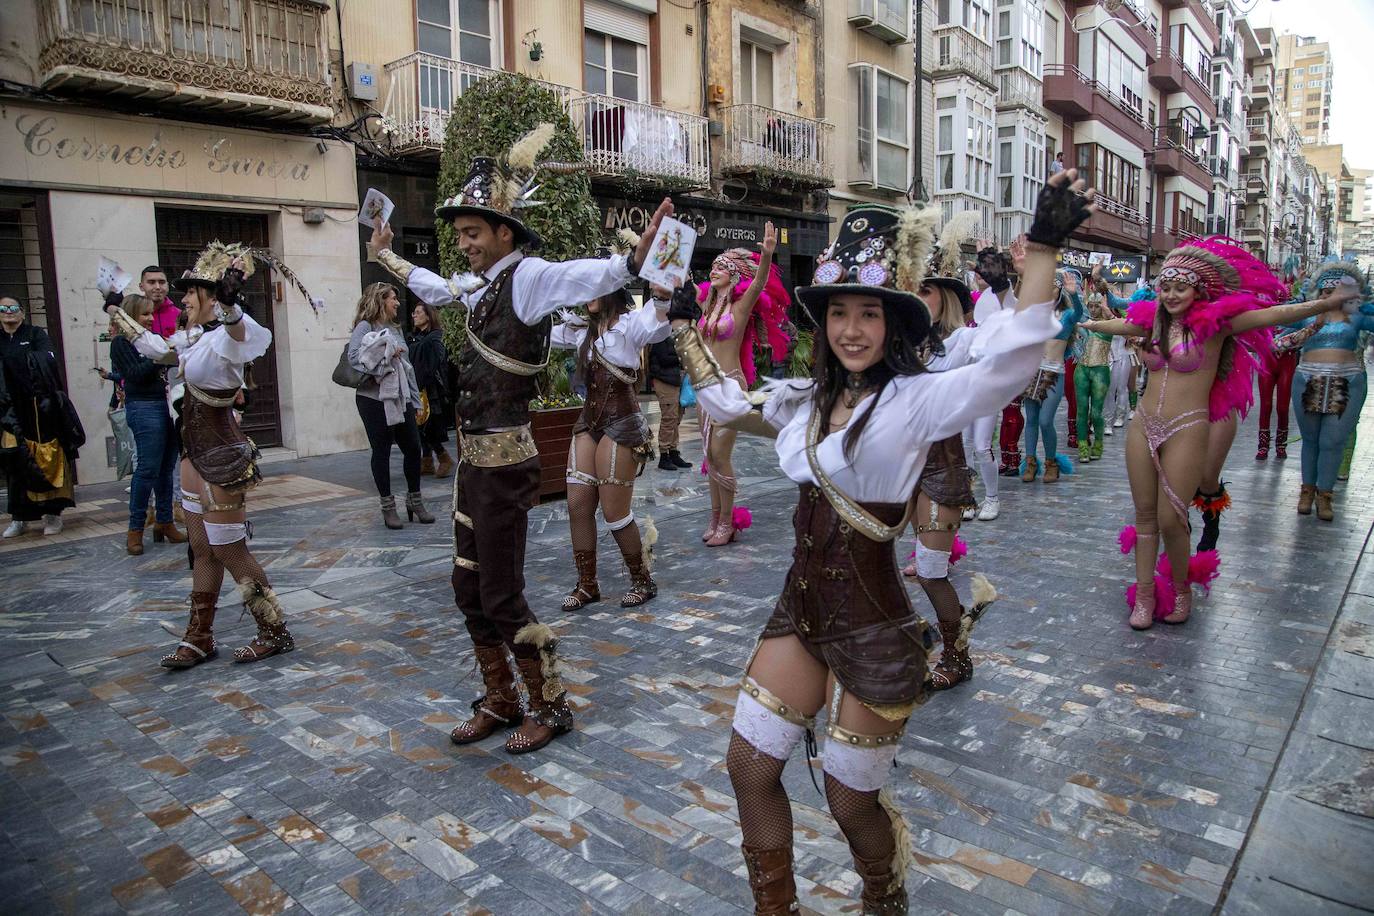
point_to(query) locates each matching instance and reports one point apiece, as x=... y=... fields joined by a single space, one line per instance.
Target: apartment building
x=1256 y=188
x=143 y=129
x=1228 y=135
x=1347 y=194
x=1303 y=84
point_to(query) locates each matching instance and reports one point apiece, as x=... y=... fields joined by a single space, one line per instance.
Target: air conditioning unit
x=889 y=20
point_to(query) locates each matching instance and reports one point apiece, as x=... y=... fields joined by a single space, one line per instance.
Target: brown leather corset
x=845 y=601
x=946 y=478
x=612 y=409
x=218 y=449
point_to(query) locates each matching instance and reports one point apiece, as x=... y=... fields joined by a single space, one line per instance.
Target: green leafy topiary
x=487 y=119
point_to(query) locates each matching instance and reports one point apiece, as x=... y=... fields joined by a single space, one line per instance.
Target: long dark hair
x=432 y=313
x=900 y=357
x=613 y=305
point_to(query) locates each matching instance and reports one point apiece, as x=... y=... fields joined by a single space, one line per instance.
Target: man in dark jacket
x=666 y=373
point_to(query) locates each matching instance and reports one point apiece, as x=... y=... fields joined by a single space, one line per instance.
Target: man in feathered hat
x=508 y=298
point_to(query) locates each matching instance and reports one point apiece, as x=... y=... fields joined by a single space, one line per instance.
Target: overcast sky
x=1348 y=25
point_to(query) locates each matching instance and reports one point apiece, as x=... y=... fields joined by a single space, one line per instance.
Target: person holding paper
x=743 y=285
x=508 y=298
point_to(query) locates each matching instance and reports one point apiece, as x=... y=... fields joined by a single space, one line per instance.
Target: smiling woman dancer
x=219 y=462
x=742 y=285
x=1211 y=291
x=855 y=439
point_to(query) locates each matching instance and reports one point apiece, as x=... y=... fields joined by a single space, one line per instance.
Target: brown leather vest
x=488 y=397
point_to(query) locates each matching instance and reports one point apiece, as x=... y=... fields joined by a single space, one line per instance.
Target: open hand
x=646 y=240
x=770 y=239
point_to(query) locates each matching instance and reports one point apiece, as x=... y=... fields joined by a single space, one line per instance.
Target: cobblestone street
x=1086 y=768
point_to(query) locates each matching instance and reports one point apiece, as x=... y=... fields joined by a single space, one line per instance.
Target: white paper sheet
x=376 y=209
x=670 y=256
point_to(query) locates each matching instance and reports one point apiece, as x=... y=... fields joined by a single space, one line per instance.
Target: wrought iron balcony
x=266 y=58
x=768 y=143
x=421 y=90
x=632 y=140
x=958 y=50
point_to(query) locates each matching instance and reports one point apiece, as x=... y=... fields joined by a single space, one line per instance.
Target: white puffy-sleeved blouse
x=913 y=411
x=621 y=345
x=212 y=360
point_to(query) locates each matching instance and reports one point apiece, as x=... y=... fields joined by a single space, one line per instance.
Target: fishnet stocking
x=582 y=516
x=943 y=597
x=765 y=814
x=240 y=563
x=207 y=573
x=866 y=825
x=628 y=540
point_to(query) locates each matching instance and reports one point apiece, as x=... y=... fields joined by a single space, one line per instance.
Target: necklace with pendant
x=855 y=386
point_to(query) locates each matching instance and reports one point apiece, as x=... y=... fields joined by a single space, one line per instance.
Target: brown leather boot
x=642 y=585
x=771 y=880
x=1305 y=497
x=133 y=543
x=586 y=591
x=499 y=707
x=1032 y=466
x=426 y=465
x=1051 y=469
x=1324 y=510
x=954 y=666
x=884 y=891
x=273 y=638
x=167 y=531
x=198 y=645
x=549 y=714
x=444 y=467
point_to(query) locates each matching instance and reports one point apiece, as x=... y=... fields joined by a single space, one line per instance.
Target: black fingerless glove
x=684 y=304
x=227 y=289
x=1058 y=212
x=993 y=266
x=113 y=298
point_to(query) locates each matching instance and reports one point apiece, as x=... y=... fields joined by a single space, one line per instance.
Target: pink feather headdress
x=771 y=307
x=1229 y=281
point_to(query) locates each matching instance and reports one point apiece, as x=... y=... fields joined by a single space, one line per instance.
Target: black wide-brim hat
x=483 y=194
x=862 y=262
x=183 y=284
x=955 y=286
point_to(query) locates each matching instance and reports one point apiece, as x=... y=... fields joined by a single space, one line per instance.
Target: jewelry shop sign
x=65 y=148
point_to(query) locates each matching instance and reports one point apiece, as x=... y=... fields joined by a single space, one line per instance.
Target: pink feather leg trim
x=958 y=551
x=1127 y=538
x=741 y=518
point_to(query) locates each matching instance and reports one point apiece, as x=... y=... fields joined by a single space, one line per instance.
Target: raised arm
x=1294 y=311
x=145 y=342
x=744 y=307
x=1115 y=327
x=429 y=286
x=543 y=287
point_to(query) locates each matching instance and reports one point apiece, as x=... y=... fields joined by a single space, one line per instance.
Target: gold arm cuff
x=696 y=358
x=395 y=265
x=774 y=705
x=129 y=329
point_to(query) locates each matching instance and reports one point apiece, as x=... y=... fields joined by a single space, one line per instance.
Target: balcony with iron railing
x=421 y=90
x=957 y=50
x=1177 y=153
x=256 y=58
x=1017 y=88
x=636 y=141
x=771 y=145
x=1114 y=223
x=1070 y=93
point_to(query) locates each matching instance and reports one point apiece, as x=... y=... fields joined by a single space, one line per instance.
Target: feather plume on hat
x=524 y=154
x=915 y=241
x=625 y=241
x=216 y=258
x=948 y=257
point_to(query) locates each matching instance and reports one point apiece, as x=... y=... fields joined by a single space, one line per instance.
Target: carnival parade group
x=920 y=358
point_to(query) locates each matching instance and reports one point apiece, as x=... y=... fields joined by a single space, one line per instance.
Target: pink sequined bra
x=1185 y=357
x=722 y=329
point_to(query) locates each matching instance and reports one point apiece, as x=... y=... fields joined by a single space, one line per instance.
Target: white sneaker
x=969 y=514
x=1107 y=431
x=52 y=524
x=991 y=509
x=1131 y=415
x=14 y=529
x=1118 y=422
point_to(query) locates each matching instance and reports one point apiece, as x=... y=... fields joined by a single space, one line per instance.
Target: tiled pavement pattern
x=1087 y=768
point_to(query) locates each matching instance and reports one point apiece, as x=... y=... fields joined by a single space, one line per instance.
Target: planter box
x=553 y=436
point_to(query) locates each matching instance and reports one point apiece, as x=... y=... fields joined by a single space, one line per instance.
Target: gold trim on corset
x=465 y=563
x=500 y=360
x=851 y=512
x=464 y=520
x=498 y=450
x=616 y=372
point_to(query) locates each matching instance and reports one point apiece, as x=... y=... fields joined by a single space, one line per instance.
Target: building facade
x=1303 y=80
x=141 y=131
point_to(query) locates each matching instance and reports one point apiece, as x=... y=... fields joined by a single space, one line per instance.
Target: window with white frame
x=1120 y=74
x=1032 y=38
x=1006 y=157
x=944 y=142
x=978 y=144
x=973 y=15
x=1004 y=36
x=756 y=73
x=884 y=127
x=615 y=51
x=462 y=30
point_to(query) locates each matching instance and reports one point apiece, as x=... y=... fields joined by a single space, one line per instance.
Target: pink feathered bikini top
x=723 y=329
x=1186 y=357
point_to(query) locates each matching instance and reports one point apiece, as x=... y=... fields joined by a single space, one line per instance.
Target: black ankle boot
x=665 y=461
x=677 y=459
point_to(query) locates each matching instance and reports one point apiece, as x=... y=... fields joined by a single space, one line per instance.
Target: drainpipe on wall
x=917 y=191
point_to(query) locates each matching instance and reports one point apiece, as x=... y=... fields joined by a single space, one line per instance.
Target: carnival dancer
x=1275 y=396
x=1330 y=384
x=1041 y=398
x=1217 y=308
x=219 y=463
x=1093 y=374
x=507 y=302
x=855 y=439
x=611 y=439
x=994 y=268
x=1013 y=420
x=744 y=286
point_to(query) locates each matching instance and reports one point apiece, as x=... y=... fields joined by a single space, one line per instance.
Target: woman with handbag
x=155 y=438
x=429 y=357
x=39 y=429
x=387 y=399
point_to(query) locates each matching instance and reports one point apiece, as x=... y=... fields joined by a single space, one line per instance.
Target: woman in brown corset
x=855 y=439
x=611 y=439
x=219 y=462
x=740 y=282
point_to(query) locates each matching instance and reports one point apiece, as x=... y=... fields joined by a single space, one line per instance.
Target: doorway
x=181 y=236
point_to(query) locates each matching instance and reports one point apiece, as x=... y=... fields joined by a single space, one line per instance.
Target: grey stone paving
x=1086 y=769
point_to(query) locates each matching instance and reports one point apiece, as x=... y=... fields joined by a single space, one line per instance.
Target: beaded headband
x=1206 y=272
x=1335 y=276
x=738 y=262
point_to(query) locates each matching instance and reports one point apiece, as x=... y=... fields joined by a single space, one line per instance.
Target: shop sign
x=55 y=148
x=637 y=218
x=1123 y=270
